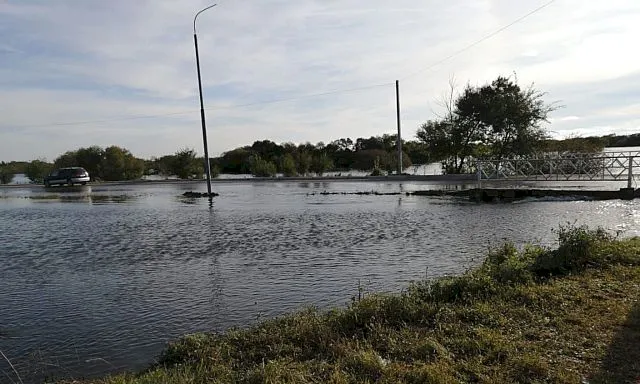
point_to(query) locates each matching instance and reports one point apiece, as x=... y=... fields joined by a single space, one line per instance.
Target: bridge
x=603 y=166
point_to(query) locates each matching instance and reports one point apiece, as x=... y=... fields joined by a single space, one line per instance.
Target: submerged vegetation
x=534 y=315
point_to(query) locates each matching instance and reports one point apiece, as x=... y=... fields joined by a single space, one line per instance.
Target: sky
x=76 y=73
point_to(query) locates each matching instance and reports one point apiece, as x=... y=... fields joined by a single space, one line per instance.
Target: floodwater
x=98 y=279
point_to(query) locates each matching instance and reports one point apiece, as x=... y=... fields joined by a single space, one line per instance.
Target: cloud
x=72 y=61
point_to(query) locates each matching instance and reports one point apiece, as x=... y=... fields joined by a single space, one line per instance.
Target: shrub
x=262 y=168
x=289 y=166
x=6 y=174
x=577 y=250
x=36 y=170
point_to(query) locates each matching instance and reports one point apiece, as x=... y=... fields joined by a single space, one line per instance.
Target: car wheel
x=70 y=182
x=46 y=184
x=84 y=183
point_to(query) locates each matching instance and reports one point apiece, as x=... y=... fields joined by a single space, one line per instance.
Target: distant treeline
x=592 y=143
x=267 y=158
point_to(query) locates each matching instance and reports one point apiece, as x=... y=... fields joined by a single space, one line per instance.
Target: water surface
x=97 y=279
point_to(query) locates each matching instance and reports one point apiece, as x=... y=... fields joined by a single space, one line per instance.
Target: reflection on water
x=79 y=194
x=97 y=280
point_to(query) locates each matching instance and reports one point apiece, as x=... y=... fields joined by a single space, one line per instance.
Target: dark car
x=70 y=176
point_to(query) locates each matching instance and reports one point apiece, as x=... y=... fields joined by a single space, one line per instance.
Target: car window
x=54 y=173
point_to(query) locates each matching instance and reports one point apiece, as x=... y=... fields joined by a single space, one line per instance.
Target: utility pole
x=207 y=166
x=399 y=139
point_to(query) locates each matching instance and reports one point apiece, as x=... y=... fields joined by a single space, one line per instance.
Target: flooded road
x=97 y=279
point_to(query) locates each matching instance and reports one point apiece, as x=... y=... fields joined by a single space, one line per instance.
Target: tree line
x=499 y=119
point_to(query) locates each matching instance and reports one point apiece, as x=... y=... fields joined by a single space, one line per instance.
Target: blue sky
x=72 y=72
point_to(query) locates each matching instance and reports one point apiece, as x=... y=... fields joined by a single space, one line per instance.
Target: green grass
x=535 y=315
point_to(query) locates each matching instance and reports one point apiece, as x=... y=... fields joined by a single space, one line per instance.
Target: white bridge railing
x=603 y=166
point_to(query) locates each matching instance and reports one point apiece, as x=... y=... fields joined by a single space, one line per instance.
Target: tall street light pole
x=207 y=168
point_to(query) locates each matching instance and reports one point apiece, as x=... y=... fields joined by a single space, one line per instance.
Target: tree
x=417 y=151
x=92 y=159
x=6 y=173
x=511 y=117
x=320 y=164
x=164 y=165
x=67 y=159
x=36 y=170
x=186 y=165
x=237 y=161
x=304 y=162
x=575 y=144
x=262 y=168
x=369 y=159
x=499 y=119
x=288 y=165
x=120 y=164
x=214 y=169
x=392 y=164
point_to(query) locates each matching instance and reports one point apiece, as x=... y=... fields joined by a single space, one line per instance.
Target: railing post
x=630 y=178
x=479 y=174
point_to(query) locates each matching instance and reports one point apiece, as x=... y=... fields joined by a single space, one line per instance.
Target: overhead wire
x=482 y=40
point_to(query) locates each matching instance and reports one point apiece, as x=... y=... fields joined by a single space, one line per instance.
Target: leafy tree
x=120 y=164
x=6 y=173
x=288 y=165
x=267 y=150
x=510 y=116
x=164 y=165
x=36 y=170
x=392 y=162
x=320 y=164
x=499 y=119
x=67 y=159
x=304 y=162
x=214 y=169
x=92 y=159
x=368 y=159
x=417 y=151
x=262 y=168
x=185 y=164
x=236 y=161
x=341 y=153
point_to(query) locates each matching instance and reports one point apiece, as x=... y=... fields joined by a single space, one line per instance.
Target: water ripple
x=95 y=285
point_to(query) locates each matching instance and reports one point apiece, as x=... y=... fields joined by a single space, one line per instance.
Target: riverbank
x=568 y=315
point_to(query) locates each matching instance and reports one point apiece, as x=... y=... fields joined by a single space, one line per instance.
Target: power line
x=485 y=38
x=234 y=106
x=274 y=101
x=312 y=95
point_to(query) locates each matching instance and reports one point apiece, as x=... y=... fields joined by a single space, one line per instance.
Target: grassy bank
x=536 y=315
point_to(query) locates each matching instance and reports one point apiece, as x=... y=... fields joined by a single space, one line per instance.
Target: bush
x=214 y=171
x=37 y=169
x=578 y=248
x=262 y=168
x=6 y=174
x=185 y=164
x=321 y=164
x=289 y=166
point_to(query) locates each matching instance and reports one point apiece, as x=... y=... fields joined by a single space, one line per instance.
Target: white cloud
x=69 y=61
